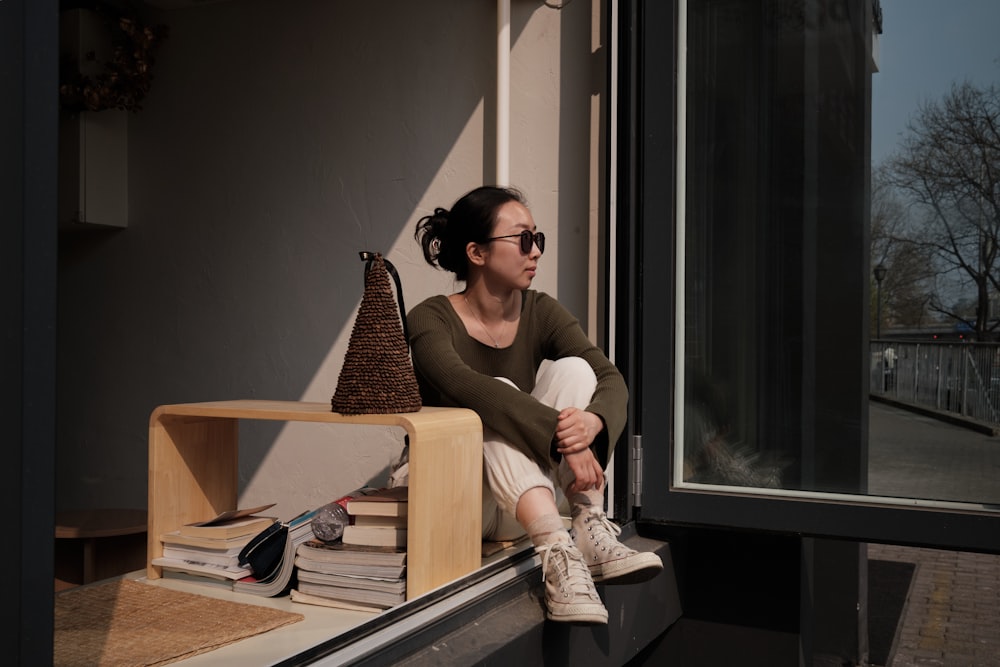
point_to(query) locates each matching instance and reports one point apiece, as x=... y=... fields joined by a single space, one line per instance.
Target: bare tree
x=907 y=288
x=947 y=169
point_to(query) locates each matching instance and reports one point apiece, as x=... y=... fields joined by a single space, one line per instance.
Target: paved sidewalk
x=952 y=614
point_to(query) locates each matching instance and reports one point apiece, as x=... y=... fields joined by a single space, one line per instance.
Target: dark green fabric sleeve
x=454 y=369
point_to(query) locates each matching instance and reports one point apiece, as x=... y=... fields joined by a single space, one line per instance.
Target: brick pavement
x=952 y=615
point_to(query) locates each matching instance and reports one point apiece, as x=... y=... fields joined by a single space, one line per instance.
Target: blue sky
x=925 y=46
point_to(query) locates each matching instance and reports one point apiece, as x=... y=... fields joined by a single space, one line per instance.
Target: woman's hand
x=576 y=430
x=586 y=470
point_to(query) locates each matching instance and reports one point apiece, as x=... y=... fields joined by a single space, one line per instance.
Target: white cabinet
x=93 y=168
x=93 y=145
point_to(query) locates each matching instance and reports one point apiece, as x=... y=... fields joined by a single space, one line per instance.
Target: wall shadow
x=277 y=141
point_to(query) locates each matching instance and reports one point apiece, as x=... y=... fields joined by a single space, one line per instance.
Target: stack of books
x=366 y=570
x=208 y=552
x=378 y=519
x=350 y=577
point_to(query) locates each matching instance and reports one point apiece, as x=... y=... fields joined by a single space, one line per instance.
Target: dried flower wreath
x=124 y=79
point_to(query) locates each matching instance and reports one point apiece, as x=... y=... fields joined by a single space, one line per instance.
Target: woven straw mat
x=124 y=622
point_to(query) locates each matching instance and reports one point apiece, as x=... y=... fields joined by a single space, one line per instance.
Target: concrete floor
x=915 y=456
x=952 y=613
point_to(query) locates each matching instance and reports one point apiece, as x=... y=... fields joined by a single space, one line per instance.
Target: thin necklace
x=496 y=343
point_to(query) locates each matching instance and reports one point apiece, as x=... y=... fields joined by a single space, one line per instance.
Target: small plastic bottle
x=328 y=524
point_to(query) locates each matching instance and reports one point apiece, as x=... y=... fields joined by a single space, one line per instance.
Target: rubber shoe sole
x=589 y=614
x=632 y=569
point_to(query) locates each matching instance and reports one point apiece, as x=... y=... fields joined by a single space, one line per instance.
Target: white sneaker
x=610 y=561
x=570 y=595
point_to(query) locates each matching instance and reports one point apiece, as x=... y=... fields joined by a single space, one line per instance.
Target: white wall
x=279 y=139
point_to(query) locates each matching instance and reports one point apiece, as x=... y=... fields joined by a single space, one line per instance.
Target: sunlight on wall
x=324 y=462
x=327 y=462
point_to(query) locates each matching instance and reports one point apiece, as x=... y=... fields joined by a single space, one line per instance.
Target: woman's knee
x=572 y=370
x=566 y=382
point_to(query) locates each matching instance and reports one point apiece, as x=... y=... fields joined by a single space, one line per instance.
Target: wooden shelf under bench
x=194 y=450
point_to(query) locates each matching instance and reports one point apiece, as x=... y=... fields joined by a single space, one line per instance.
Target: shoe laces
x=604 y=533
x=570 y=565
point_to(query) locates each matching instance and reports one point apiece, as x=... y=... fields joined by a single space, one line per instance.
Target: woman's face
x=504 y=259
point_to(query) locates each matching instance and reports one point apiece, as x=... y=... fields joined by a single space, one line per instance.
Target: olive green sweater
x=455 y=370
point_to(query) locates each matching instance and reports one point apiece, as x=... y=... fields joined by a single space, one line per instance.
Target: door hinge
x=637 y=471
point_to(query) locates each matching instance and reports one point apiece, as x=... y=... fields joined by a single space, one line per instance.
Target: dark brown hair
x=444 y=234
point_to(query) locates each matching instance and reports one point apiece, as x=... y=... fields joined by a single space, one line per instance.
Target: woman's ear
x=474 y=251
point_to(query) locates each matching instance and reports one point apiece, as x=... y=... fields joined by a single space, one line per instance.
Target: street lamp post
x=880 y=272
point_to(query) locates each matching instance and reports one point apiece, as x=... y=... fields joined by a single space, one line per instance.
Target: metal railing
x=963 y=378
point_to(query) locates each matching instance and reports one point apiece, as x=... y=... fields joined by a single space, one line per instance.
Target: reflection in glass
x=783 y=225
x=777 y=117
x=935 y=226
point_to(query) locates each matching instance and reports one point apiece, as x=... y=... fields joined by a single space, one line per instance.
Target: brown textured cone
x=377 y=376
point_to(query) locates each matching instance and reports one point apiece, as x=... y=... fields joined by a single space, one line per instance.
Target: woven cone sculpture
x=377 y=376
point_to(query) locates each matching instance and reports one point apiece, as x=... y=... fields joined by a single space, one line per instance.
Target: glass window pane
x=934 y=230
x=790 y=107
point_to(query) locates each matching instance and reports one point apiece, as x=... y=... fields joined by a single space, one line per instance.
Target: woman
x=552 y=404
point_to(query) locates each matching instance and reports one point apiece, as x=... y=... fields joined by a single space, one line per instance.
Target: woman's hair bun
x=445 y=234
x=430 y=232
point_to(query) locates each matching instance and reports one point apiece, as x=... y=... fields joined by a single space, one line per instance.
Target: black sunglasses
x=527 y=239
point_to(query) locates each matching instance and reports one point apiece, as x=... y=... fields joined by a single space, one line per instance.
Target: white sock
x=547 y=529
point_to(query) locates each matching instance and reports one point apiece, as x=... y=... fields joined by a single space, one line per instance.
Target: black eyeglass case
x=265 y=551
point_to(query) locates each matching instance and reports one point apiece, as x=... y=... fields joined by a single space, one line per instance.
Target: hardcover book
x=319 y=600
x=361 y=596
x=383 y=502
x=217 y=545
x=338 y=552
x=375 y=520
x=386 y=585
x=234 y=523
x=387 y=563
x=201 y=568
x=359 y=535
x=206 y=556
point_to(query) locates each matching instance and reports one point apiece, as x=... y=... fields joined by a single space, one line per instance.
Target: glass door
x=751 y=133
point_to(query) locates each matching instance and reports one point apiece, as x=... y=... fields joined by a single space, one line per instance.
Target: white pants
x=508 y=473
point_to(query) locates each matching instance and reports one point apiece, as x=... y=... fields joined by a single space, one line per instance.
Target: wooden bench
x=194 y=448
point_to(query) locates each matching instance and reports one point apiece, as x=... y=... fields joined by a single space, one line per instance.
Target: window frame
x=649 y=139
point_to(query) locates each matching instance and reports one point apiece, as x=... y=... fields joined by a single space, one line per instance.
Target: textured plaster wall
x=281 y=138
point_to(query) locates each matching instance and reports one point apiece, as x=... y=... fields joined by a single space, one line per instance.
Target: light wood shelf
x=194 y=451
